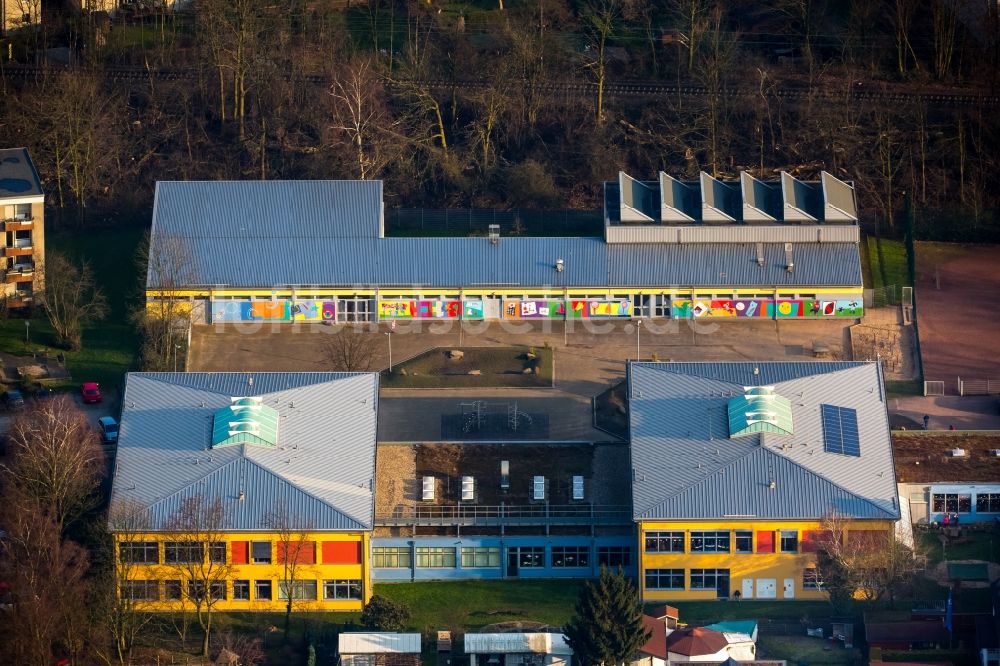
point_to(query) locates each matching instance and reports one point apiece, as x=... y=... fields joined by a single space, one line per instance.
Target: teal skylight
x=245 y=421
x=759 y=409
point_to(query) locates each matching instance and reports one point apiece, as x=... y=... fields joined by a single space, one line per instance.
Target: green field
x=805 y=650
x=109 y=346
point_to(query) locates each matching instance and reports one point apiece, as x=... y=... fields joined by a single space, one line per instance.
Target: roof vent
x=959 y=453
x=772 y=484
x=427 y=493
x=560 y=265
x=468 y=488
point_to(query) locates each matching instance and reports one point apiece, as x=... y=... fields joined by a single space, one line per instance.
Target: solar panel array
x=840 y=430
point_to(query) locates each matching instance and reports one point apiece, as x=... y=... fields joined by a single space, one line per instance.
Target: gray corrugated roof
x=18 y=178
x=322 y=468
x=266 y=233
x=682 y=453
x=259 y=209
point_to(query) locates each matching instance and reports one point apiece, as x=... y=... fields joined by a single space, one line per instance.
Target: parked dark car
x=12 y=399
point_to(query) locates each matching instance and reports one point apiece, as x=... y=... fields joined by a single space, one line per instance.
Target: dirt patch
x=939 y=573
x=959 y=330
x=478 y=367
x=924 y=457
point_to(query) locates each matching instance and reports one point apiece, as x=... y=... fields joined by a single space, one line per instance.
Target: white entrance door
x=789 y=588
x=767 y=588
x=747 y=591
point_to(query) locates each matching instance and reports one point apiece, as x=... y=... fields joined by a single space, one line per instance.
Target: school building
x=738 y=469
x=316 y=250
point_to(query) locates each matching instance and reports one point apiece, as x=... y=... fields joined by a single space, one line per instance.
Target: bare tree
x=692 y=16
x=359 y=113
x=165 y=263
x=71 y=298
x=199 y=557
x=351 y=349
x=126 y=614
x=296 y=553
x=902 y=21
x=853 y=560
x=601 y=20
x=945 y=21
x=55 y=459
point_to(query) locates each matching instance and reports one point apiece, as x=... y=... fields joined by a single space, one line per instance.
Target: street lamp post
x=638 y=327
x=389 y=335
x=177 y=349
x=27 y=327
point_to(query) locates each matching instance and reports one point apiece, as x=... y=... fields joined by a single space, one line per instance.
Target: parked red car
x=91 y=392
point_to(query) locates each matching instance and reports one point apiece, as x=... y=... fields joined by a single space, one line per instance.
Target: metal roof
x=351 y=642
x=263 y=234
x=516 y=643
x=679 y=413
x=322 y=467
x=18 y=177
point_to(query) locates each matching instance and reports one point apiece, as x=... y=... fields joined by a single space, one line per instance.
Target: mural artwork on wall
x=687 y=309
x=618 y=308
x=428 y=309
x=314 y=310
x=516 y=309
x=472 y=309
x=276 y=310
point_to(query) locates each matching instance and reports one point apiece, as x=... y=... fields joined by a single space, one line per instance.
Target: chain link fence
x=881 y=297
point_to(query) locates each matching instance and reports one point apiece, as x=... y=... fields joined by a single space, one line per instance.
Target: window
x=988 y=503
x=952 y=503
x=811 y=579
x=391 y=557
x=480 y=558
x=664 y=579
x=664 y=542
x=709 y=542
x=172 y=590
x=140 y=552
x=262 y=590
x=614 y=556
x=570 y=556
x=302 y=590
x=531 y=557
x=744 y=541
x=342 y=589
x=709 y=579
x=182 y=552
x=22 y=211
x=789 y=541
x=241 y=590
x=436 y=557
x=196 y=590
x=217 y=552
x=765 y=542
x=141 y=590
x=260 y=552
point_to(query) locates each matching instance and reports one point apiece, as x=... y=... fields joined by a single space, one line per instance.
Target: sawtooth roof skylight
x=245 y=421
x=759 y=409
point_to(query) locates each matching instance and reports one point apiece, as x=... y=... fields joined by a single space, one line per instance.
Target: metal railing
x=503 y=514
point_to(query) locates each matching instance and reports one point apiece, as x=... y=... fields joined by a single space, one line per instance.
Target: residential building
x=279 y=470
x=670 y=249
x=740 y=470
x=22 y=204
x=18 y=14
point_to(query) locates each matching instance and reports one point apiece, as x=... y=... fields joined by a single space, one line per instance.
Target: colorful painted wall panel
x=313 y=310
x=517 y=309
x=428 y=309
x=615 y=308
x=472 y=310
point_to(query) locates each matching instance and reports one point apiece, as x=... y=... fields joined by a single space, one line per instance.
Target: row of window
x=710 y=579
x=738 y=541
x=962 y=502
x=488 y=557
x=243 y=552
x=262 y=590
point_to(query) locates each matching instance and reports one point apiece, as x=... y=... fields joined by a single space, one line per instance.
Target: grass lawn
x=109 y=346
x=874 y=263
x=696 y=613
x=893 y=262
x=469 y=605
x=500 y=366
x=805 y=650
x=981 y=546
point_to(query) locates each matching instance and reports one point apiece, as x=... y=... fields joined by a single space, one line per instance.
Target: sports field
x=957 y=287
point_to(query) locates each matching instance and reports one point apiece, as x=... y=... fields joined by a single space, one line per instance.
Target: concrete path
x=965 y=413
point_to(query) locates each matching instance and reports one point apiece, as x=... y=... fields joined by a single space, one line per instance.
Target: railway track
x=621 y=89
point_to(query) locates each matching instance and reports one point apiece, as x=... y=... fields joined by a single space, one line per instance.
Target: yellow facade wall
x=742 y=566
x=273 y=572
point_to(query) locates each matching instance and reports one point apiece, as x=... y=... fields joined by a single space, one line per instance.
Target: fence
x=933 y=388
x=530 y=514
x=470 y=221
x=881 y=297
x=978 y=386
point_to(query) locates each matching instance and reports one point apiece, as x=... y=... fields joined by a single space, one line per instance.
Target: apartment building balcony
x=502 y=515
x=20 y=274
x=20 y=299
x=18 y=224
x=19 y=250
